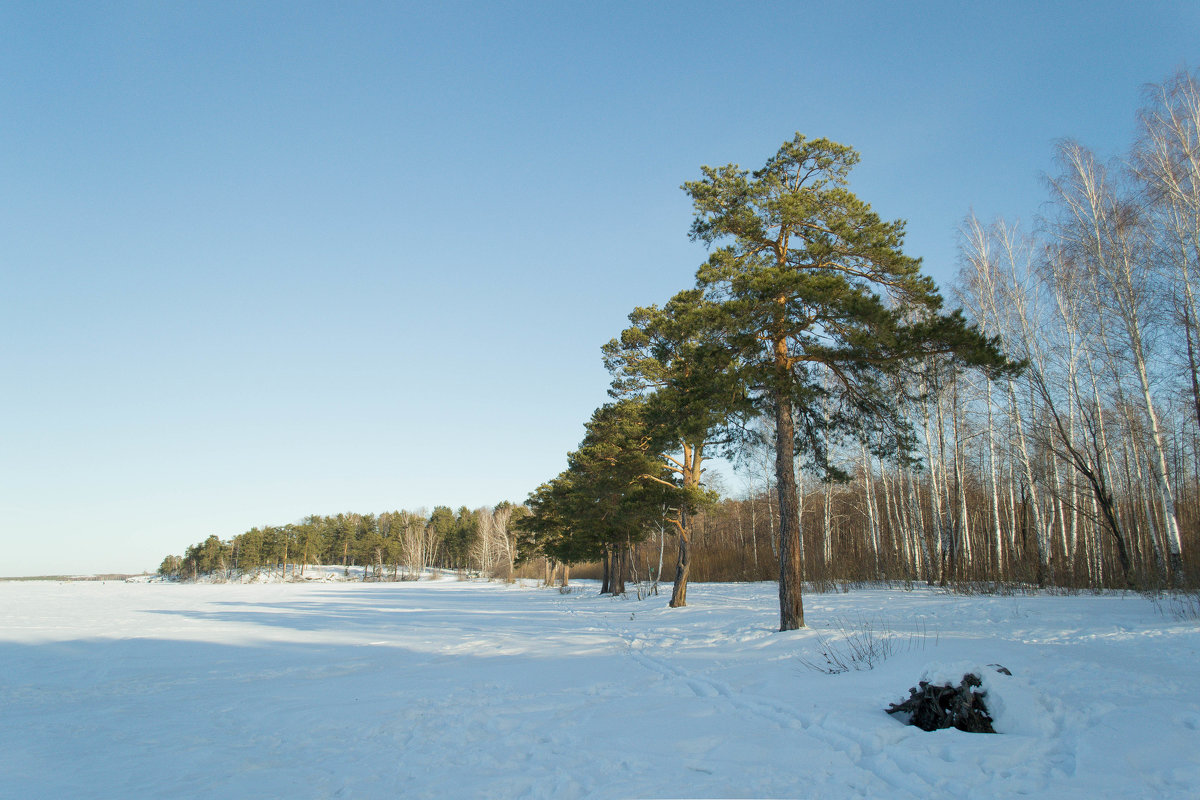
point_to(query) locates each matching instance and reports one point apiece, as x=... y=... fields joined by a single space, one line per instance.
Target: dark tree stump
x=933 y=708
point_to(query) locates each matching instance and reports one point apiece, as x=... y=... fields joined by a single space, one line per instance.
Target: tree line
x=395 y=545
x=1047 y=432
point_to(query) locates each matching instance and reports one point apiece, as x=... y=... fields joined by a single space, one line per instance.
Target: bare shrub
x=862 y=645
x=1179 y=606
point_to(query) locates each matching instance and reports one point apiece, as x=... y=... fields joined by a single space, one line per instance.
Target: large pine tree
x=824 y=308
x=673 y=358
x=614 y=491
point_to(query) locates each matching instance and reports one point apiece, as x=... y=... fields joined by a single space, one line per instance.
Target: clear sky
x=262 y=260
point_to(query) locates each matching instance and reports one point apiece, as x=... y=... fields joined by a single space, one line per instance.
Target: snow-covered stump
x=936 y=706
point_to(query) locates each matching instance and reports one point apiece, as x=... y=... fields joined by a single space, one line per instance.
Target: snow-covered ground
x=470 y=689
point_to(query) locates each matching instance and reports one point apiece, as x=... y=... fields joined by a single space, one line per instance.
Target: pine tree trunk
x=618 y=568
x=693 y=457
x=791 y=558
x=683 y=566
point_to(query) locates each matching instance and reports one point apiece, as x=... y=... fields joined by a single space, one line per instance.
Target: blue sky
x=262 y=260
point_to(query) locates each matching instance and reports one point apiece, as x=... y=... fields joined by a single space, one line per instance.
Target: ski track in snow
x=866 y=752
x=860 y=750
x=468 y=689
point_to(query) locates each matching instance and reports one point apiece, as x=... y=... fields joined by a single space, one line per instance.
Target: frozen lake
x=470 y=689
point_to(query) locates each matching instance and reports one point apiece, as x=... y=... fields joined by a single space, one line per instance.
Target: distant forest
x=395 y=545
x=1048 y=433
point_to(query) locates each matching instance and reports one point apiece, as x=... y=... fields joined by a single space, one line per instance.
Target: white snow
x=471 y=689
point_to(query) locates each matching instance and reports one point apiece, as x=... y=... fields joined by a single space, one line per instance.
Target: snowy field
x=470 y=689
